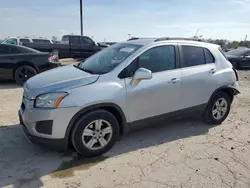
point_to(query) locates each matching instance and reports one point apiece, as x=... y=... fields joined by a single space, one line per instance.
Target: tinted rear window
x=193 y=56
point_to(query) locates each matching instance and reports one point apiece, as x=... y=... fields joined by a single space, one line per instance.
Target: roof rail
x=176 y=38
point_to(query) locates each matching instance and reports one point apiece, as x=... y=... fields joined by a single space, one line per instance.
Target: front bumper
x=57 y=144
x=47 y=126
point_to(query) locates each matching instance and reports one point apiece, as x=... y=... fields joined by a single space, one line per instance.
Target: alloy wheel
x=97 y=134
x=219 y=108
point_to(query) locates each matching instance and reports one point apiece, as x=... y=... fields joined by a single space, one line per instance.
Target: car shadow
x=24 y=164
x=9 y=85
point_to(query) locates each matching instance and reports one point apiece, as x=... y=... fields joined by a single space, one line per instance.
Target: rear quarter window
x=209 y=56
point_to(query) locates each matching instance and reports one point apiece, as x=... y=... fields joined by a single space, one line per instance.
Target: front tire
x=95 y=133
x=217 y=109
x=23 y=73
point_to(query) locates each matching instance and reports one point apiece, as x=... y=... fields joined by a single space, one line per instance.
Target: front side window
x=158 y=59
x=11 y=41
x=193 y=56
x=108 y=58
x=86 y=40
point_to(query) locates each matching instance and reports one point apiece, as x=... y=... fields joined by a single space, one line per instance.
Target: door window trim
x=123 y=74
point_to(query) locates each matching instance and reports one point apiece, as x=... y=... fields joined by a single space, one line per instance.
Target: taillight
x=53 y=59
x=236 y=74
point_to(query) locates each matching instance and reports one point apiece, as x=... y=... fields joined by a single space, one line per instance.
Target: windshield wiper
x=85 y=70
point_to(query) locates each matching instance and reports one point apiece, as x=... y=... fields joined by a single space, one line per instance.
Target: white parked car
x=20 y=41
x=128 y=84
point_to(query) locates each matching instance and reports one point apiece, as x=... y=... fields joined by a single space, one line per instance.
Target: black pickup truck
x=71 y=46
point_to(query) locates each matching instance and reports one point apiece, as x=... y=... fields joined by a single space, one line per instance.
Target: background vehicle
x=133 y=83
x=20 y=63
x=239 y=57
x=20 y=40
x=71 y=46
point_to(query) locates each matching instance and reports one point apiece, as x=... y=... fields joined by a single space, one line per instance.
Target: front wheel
x=217 y=109
x=23 y=73
x=95 y=133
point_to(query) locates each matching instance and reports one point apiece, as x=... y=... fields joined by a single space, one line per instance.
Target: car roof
x=147 y=41
x=21 y=47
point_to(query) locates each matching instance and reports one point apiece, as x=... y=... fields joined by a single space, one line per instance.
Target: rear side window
x=24 y=40
x=75 y=40
x=65 y=38
x=41 y=41
x=193 y=56
x=209 y=56
x=4 y=50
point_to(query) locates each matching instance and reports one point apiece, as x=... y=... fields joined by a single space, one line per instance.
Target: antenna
x=246 y=38
x=196 y=32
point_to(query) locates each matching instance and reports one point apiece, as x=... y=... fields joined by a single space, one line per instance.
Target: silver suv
x=137 y=82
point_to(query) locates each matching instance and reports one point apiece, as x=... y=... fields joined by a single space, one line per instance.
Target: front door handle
x=212 y=71
x=174 y=81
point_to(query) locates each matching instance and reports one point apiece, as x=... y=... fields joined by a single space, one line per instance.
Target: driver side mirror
x=141 y=74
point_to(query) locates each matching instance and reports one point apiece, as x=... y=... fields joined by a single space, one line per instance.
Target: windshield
x=108 y=58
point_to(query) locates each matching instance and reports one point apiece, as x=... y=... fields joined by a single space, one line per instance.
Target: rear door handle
x=174 y=81
x=212 y=71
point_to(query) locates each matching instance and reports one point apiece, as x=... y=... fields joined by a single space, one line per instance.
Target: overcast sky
x=113 y=20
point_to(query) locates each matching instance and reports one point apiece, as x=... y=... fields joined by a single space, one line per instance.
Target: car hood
x=58 y=79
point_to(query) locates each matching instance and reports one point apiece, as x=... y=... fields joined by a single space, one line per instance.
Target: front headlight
x=50 y=100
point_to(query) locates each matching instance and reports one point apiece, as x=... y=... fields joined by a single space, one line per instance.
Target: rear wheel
x=218 y=108
x=23 y=73
x=95 y=133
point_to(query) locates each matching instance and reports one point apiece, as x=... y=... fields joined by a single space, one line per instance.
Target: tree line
x=226 y=44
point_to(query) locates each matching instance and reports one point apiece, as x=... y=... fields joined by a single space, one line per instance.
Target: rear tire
x=217 y=109
x=23 y=73
x=91 y=138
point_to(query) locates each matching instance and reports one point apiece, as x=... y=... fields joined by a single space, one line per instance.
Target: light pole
x=81 y=17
